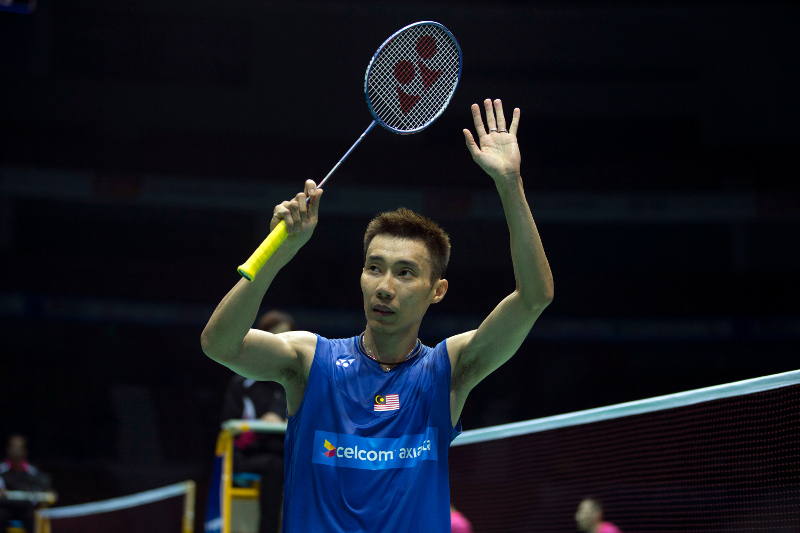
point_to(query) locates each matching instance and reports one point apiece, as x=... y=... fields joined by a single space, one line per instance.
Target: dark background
x=143 y=146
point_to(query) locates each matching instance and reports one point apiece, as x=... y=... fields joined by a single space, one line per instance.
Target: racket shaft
x=372 y=125
x=250 y=268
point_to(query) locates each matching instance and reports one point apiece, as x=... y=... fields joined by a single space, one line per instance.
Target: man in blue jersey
x=371 y=417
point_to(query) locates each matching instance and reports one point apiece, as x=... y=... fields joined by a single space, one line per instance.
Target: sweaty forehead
x=397 y=249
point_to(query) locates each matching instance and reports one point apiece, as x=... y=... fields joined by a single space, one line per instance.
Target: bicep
x=270 y=357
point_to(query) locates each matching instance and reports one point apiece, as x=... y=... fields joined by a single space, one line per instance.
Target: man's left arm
x=475 y=354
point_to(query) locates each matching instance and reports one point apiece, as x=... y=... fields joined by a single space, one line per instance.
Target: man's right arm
x=228 y=337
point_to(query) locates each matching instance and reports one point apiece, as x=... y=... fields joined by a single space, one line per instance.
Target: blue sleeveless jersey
x=367 y=449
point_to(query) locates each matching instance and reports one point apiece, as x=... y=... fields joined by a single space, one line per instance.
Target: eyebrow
x=380 y=258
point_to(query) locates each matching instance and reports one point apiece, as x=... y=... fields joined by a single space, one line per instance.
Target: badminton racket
x=408 y=84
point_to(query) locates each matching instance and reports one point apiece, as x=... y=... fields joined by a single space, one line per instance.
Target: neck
x=391 y=347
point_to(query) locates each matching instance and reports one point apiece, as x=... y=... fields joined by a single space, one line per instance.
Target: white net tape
x=117 y=504
x=154 y=511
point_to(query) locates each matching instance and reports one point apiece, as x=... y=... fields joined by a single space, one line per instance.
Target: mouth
x=382 y=310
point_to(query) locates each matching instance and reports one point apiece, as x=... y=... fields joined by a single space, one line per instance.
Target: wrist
x=511 y=180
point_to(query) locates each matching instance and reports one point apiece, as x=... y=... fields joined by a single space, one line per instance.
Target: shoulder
x=303 y=344
x=457 y=342
x=330 y=349
x=308 y=346
x=439 y=353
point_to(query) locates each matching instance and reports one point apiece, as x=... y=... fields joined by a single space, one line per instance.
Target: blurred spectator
x=261 y=453
x=589 y=517
x=17 y=474
x=459 y=522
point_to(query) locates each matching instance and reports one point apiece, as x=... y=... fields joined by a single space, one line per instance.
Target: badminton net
x=720 y=459
x=167 y=509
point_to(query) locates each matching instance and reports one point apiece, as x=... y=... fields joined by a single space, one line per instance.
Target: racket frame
x=452 y=90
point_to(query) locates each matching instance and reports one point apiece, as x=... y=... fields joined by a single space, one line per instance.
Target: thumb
x=313 y=203
x=471 y=145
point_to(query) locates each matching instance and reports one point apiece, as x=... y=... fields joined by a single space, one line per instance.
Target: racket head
x=412 y=77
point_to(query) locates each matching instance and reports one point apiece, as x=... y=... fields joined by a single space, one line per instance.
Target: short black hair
x=407 y=224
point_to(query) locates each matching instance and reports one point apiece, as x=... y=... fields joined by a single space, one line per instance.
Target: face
x=396 y=283
x=587 y=515
x=17 y=449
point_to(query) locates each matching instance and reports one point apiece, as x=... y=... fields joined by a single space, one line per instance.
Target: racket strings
x=413 y=77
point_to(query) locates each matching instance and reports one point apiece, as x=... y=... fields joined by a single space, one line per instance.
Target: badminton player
x=371 y=417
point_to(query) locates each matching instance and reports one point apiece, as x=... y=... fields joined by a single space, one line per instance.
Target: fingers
x=303 y=208
x=514 y=122
x=313 y=204
x=480 y=129
x=310 y=188
x=501 y=119
x=490 y=120
x=472 y=146
x=495 y=118
x=312 y=199
x=289 y=212
x=299 y=208
x=283 y=211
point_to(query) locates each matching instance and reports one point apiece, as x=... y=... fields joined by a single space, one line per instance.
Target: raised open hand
x=498 y=153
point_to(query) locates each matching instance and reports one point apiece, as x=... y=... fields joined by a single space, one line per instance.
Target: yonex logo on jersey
x=352 y=451
x=345 y=362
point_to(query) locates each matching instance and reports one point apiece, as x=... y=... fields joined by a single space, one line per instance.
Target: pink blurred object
x=244 y=440
x=459 y=523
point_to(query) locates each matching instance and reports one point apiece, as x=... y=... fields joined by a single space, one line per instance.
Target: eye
x=373 y=268
x=406 y=273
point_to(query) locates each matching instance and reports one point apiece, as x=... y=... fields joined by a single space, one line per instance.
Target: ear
x=439 y=290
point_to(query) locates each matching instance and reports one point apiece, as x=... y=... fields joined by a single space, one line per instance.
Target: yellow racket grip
x=251 y=267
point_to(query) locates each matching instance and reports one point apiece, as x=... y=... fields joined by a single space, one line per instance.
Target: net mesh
x=731 y=464
x=413 y=76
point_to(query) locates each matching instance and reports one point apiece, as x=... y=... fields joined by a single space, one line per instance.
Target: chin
x=378 y=323
x=382 y=324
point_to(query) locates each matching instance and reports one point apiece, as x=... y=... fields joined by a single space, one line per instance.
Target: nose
x=384 y=295
x=385 y=290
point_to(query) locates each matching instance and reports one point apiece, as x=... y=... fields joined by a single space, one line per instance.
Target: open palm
x=496 y=151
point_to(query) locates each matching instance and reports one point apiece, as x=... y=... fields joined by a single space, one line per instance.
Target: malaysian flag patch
x=390 y=402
